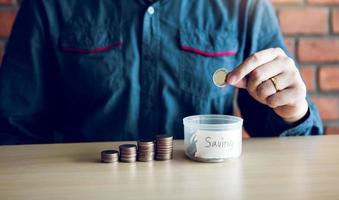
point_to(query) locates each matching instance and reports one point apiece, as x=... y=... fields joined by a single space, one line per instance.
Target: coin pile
x=164 y=147
x=128 y=153
x=109 y=156
x=146 y=149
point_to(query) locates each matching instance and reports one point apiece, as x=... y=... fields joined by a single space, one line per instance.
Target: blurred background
x=311 y=29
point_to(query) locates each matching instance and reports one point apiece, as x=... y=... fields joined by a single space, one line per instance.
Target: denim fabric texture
x=84 y=70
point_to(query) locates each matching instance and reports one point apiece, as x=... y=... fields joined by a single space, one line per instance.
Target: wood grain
x=272 y=168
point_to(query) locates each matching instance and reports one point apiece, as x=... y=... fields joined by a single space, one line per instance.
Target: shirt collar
x=148 y=2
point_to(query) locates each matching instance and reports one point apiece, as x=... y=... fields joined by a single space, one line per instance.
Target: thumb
x=240 y=84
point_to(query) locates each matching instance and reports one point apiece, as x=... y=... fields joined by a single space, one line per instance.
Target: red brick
x=303 y=20
x=5 y=2
x=323 y=1
x=318 y=50
x=328 y=107
x=286 y=1
x=335 y=21
x=290 y=44
x=332 y=130
x=6 y=22
x=329 y=78
x=308 y=74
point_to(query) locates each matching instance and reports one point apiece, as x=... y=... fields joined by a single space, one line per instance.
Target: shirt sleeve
x=260 y=120
x=25 y=81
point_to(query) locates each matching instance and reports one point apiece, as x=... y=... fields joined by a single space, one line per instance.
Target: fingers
x=252 y=63
x=286 y=94
x=265 y=72
x=266 y=88
x=287 y=97
x=242 y=83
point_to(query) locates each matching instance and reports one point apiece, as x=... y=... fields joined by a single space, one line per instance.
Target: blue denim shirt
x=84 y=70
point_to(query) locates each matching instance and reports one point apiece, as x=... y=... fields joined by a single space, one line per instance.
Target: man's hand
x=272 y=78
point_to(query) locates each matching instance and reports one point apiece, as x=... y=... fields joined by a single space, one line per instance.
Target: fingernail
x=231 y=79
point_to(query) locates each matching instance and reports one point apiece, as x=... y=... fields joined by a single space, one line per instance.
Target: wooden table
x=272 y=168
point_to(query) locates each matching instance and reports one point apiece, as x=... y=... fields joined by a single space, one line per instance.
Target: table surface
x=269 y=168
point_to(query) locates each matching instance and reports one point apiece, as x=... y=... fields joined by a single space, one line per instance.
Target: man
x=127 y=69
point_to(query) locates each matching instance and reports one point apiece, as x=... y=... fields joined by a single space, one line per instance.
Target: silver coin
x=128 y=160
x=164 y=157
x=145 y=142
x=109 y=153
x=128 y=146
x=109 y=156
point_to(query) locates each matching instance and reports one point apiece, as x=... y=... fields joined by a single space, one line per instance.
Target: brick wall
x=7 y=14
x=311 y=28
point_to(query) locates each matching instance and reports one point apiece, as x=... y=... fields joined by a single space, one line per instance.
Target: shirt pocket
x=92 y=61
x=202 y=53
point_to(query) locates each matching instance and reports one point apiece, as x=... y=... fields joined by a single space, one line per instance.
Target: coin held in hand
x=220 y=77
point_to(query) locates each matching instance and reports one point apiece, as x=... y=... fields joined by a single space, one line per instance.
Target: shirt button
x=150 y=10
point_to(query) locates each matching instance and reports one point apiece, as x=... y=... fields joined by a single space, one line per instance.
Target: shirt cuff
x=301 y=128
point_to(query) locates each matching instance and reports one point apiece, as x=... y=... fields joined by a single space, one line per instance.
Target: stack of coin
x=109 y=156
x=128 y=153
x=164 y=147
x=146 y=149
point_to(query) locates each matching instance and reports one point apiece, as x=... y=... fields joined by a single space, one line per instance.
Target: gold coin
x=219 y=77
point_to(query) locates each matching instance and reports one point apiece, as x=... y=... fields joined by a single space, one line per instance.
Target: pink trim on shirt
x=204 y=53
x=96 y=50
